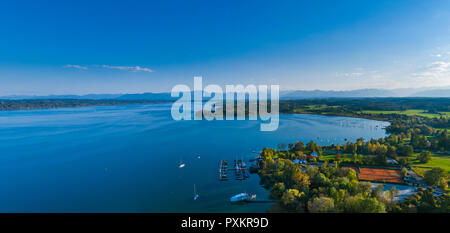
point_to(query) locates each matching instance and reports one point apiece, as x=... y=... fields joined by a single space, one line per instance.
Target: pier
x=223 y=170
x=239 y=169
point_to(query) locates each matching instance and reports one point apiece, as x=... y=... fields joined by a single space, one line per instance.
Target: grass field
x=333 y=156
x=437 y=160
x=410 y=112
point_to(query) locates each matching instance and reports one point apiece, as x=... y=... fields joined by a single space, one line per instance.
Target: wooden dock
x=223 y=170
x=239 y=169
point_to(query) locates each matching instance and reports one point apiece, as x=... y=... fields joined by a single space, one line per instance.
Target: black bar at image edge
x=224 y=222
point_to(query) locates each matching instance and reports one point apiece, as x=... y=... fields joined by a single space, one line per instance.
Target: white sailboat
x=195 y=194
x=181 y=164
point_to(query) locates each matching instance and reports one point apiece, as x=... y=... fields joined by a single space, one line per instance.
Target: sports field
x=380 y=175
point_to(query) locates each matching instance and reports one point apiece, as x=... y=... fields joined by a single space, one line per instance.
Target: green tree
x=424 y=157
x=290 y=197
x=320 y=180
x=436 y=176
x=358 y=204
x=321 y=205
x=404 y=172
x=365 y=187
x=300 y=180
x=378 y=191
x=390 y=194
x=391 y=152
x=405 y=150
x=299 y=146
x=277 y=190
x=445 y=203
x=403 y=161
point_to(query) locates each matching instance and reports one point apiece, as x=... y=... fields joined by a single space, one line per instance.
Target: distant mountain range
x=402 y=92
x=433 y=93
x=336 y=94
x=296 y=94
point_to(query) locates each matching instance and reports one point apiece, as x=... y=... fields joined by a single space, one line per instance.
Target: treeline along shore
x=330 y=106
x=6 y=105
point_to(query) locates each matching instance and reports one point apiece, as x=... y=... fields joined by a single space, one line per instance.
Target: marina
x=239 y=169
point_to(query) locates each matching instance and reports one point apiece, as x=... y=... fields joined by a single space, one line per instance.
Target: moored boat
x=242 y=197
x=195 y=194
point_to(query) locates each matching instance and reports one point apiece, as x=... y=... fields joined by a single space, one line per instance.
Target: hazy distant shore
x=30 y=104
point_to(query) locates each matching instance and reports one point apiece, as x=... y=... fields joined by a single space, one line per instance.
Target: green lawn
x=410 y=112
x=438 y=160
x=327 y=156
x=324 y=156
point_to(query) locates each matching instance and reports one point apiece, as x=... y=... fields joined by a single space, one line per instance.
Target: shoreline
x=49 y=104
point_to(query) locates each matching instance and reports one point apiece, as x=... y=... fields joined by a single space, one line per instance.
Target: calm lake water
x=126 y=158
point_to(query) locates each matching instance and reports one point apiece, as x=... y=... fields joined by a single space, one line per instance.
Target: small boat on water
x=195 y=194
x=242 y=197
x=181 y=164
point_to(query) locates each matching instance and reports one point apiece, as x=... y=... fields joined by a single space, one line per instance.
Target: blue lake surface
x=126 y=158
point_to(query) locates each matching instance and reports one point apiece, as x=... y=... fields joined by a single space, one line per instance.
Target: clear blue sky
x=80 y=47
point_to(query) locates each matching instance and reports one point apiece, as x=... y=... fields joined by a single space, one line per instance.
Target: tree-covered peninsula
x=336 y=178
